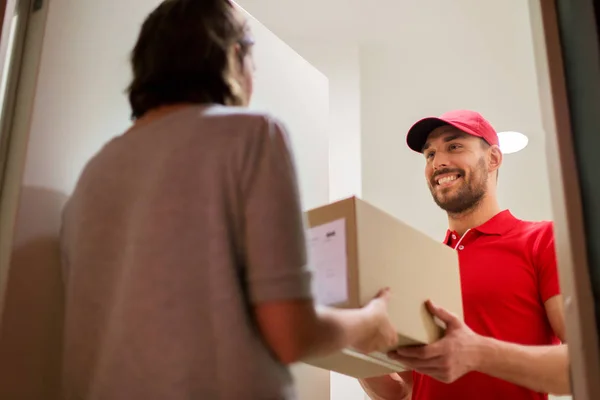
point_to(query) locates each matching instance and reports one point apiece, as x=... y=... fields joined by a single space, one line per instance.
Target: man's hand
x=543 y=369
x=448 y=359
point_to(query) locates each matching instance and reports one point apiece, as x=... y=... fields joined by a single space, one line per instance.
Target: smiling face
x=458 y=168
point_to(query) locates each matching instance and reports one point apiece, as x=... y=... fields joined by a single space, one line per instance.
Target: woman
x=184 y=252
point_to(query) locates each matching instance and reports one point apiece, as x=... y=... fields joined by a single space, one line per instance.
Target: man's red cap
x=470 y=122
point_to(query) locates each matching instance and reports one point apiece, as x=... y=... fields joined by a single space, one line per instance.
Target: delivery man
x=511 y=343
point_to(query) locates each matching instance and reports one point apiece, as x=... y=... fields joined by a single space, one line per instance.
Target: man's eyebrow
x=454 y=137
x=446 y=140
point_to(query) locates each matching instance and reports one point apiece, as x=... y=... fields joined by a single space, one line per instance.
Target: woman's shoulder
x=241 y=119
x=240 y=114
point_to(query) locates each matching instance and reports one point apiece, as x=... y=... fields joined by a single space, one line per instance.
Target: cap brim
x=418 y=133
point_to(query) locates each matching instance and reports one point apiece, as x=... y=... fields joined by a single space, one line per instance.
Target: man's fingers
x=423 y=352
x=435 y=369
x=412 y=352
x=445 y=316
x=407 y=354
x=419 y=365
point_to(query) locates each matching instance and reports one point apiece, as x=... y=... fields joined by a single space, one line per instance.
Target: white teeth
x=447 y=179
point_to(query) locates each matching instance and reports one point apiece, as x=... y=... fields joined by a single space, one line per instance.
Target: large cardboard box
x=356 y=249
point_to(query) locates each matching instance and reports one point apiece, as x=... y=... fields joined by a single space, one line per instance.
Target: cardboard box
x=357 y=249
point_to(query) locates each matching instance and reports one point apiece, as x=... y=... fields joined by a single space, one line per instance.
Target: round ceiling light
x=511 y=142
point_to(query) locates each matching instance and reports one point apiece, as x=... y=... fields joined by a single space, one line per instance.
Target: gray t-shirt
x=174 y=231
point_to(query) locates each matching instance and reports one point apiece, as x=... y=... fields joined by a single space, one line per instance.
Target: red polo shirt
x=508 y=270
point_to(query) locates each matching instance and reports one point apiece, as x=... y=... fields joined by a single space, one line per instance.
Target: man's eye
x=454 y=146
x=429 y=155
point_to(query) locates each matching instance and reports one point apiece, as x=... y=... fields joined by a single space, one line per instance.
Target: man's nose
x=439 y=161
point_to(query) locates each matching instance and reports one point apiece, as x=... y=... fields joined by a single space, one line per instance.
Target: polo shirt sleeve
x=546 y=264
x=275 y=246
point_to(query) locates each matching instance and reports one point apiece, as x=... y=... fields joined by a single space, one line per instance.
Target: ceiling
x=380 y=20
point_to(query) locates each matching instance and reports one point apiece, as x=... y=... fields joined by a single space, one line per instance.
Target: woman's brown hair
x=185 y=54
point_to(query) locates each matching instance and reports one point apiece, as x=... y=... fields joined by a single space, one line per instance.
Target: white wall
x=80 y=104
x=289 y=87
x=340 y=62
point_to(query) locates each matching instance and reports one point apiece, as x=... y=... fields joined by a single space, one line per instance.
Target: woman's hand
x=379 y=334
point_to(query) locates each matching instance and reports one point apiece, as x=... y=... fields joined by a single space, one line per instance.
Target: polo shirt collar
x=499 y=224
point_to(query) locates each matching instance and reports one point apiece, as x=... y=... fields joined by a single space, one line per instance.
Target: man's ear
x=495 y=158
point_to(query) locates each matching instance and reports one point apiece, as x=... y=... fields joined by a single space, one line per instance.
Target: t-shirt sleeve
x=275 y=247
x=546 y=263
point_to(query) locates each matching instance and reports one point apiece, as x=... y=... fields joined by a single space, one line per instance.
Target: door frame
x=21 y=69
x=556 y=37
